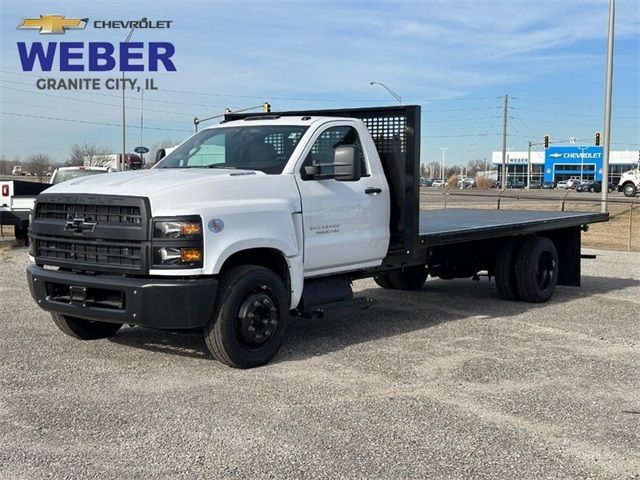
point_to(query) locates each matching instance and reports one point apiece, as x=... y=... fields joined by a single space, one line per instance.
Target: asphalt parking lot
x=447 y=382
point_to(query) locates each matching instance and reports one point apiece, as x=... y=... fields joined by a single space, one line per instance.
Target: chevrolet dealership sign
x=568 y=160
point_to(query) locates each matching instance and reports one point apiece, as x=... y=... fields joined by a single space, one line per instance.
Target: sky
x=457 y=59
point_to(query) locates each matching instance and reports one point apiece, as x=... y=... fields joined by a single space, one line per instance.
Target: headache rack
x=396 y=134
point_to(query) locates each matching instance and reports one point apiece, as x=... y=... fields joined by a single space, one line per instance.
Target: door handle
x=373 y=191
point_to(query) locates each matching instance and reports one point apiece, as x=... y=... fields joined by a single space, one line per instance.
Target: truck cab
x=629 y=182
x=269 y=215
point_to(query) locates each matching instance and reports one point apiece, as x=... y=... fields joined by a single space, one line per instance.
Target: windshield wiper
x=219 y=165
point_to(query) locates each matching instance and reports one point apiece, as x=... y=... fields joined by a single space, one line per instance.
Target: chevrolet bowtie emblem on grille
x=80 y=225
x=53 y=23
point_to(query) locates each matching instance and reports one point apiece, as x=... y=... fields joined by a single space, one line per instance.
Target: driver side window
x=322 y=151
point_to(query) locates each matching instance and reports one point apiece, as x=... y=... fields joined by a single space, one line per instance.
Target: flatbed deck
x=457 y=225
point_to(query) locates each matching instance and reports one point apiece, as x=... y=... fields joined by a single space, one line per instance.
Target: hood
x=143 y=183
x=178 y=190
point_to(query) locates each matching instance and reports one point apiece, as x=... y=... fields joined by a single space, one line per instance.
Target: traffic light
x=547 y=139
x=597 y=139
x=266 y=107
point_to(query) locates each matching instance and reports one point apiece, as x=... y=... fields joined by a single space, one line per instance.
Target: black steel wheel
x=504 y=271
x=83 y=329
x=250 y=319
x=537 y=270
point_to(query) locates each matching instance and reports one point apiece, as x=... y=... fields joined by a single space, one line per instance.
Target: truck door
x=346 y=223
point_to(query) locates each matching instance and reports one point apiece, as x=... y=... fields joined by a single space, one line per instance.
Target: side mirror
x=346 y=165
x=160 y=154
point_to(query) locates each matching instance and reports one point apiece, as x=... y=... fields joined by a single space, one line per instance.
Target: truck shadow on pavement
x=395 y=313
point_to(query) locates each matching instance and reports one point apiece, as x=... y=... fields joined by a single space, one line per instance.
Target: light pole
x=582 y=149
x=607 y=105
x=393 y=94
x=124 y=133
x=444 y=149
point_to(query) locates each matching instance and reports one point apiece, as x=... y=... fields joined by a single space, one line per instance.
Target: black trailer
x=528 y=252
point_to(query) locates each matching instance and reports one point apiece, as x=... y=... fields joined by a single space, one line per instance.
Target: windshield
x=263 y=148
x=64 y=175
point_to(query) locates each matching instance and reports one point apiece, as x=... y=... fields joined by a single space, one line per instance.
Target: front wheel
x=629 y=190
x=250 y=318
x=84 y=329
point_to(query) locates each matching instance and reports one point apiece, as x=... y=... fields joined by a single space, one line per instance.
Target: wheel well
x=269 y=258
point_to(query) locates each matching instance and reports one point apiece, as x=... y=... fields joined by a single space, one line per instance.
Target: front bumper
x=157 y=303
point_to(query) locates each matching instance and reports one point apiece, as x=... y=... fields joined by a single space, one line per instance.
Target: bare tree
x=39 y=165
x=89 y=155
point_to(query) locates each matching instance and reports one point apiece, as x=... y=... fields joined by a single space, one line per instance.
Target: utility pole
x=529 y=166
x=444 y=149
x=607 y=106
x=122 y=161
x=504 y=142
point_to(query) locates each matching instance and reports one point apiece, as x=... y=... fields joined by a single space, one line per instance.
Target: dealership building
x=559 y=163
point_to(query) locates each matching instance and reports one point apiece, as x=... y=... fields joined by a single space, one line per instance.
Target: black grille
x=92 y=252
x=95 y=213
x=100 y=233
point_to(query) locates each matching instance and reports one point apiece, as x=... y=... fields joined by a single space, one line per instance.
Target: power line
x=574 y=104
x=88 y=122
x=92 y=101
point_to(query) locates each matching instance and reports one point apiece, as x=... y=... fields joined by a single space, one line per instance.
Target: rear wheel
x=84 y=329
x=505 y=271
x=383 y=281
x=21 y=232
x=410 y=279
x=629 y=190
x=250 y=318
x=537 y=270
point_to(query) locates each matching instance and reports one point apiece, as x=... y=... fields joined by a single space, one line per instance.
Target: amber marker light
x=190 y=229
x=191 y=255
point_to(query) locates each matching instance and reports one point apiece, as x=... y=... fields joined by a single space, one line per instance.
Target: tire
x=537 y=270
x=591 y=190
x=21 y=232
x=233 y=335
x=505 y=271
x=409 y=279
x=84 y=329
x=629 y=190
x=383 y=281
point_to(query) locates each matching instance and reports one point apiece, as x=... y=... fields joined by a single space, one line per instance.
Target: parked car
x=438 y=183
x=535 y=185
x=515 y=184
x=548 y=185
x=572 y=183
x=562 y=184
x=63 y=174
x=593 y=186
x=425 y=182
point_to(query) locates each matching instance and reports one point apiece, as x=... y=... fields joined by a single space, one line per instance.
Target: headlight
x=177 y=242
x=178 y=256
x=177 y=229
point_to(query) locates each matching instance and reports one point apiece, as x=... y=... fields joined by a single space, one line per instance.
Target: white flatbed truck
x=269 y=215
